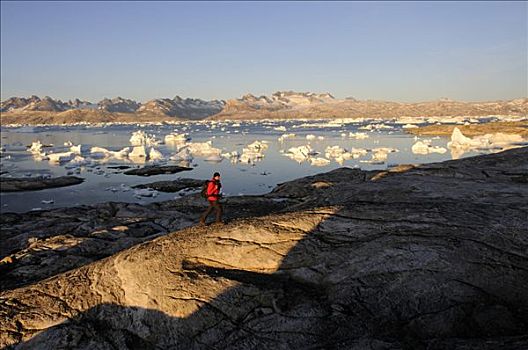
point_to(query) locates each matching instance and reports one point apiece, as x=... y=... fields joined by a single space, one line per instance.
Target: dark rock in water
x=36 y=183
x=172 y=186
x=156 y=170
x=418 y=257
x=121 y=167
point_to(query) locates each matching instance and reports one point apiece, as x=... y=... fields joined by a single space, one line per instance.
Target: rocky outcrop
x=188 y=108
x=118 y=104
x=150 y=170
x=8 y=184
x=40 y=244
x=432 y=257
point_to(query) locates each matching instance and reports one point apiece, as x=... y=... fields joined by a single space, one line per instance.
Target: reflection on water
x=252 y=157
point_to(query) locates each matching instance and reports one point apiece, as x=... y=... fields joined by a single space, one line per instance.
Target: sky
x=399 y=51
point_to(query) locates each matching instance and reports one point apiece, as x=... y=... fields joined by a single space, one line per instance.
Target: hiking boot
x=201 y=223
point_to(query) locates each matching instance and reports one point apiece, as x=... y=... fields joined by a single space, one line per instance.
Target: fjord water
x=104 y=184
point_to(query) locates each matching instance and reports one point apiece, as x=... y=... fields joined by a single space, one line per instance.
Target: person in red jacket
x=213 y=196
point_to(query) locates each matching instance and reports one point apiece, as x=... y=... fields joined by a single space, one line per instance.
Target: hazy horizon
x=403 y=52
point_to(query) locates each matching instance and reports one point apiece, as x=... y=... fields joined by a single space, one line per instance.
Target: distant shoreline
x=279 y=106
x=9 y=121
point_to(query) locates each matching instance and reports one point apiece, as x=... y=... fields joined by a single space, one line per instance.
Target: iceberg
x=215 y=158
x=184 y=154
x=460 y=143
x=358 y=135
x=379 y=155
x=101 y=152
x=36 y=147
x=253 y=152
x=155 y=155
x=301 y=153
x=424 y=147
x=79 y=149
x=318 y=161
x=140 y=138
x=138 y=153
x=79 y=160
x=409 y=126
x=285 y=136
x=60 y=157
x=176 y=138
x=203 y=149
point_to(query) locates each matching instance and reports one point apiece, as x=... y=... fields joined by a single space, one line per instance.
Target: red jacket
x=213 y=190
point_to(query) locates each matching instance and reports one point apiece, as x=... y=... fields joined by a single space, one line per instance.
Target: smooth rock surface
x=418 y=257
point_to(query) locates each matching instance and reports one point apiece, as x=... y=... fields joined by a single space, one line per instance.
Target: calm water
x=104 y=184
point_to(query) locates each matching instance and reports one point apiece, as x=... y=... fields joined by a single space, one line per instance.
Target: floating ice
x=310 y=137
x=176 y=138
x=60 y=157
x=79 y=160
x=184 y=154
x=372 y=127
x=318 y=161
x=301 y=153
x=409 y=126
x=155 y=155
x=79 y=149
x=138 y=154
x=36 y=147
x=334 y=151
x=280 y=128
x=203 y=149
x=358 y=135
x=285 y=136
x=460 y=143
x=145 y=192
x=253 y=152
x=140 y=138
x=215 y=158
x=232 y=156
x=379 y=155
x=36 y=150
x=459 y=140
x=424 y=147
x=101 y=152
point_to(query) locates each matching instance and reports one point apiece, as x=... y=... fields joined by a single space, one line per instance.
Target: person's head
x=216 y=176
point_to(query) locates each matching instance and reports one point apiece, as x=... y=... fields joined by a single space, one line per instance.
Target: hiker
x=212 y=193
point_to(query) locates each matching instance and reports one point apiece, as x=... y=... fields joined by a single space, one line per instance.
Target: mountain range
x=281 y=104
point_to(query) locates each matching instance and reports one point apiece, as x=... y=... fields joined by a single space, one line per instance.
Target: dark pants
x=217 y=207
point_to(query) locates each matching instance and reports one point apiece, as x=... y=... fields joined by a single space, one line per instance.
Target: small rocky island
x=8 y=184
x=428 y=256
